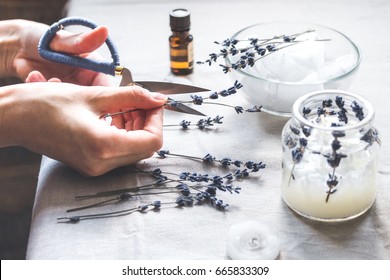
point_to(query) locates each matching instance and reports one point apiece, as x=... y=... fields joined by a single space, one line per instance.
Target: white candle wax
x=307 y=192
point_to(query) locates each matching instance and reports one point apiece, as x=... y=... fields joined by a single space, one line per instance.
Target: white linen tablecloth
x=141 y=30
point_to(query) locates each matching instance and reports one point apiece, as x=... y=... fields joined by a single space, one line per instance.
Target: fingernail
x=158 y=96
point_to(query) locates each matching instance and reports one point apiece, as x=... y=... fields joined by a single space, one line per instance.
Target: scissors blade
x=127 y=78
x=174 y=88
x=156 y=86
x=181 y=108
x=169 y=88
x=165 y=88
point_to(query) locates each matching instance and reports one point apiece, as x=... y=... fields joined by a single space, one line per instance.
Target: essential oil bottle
x=181 y=43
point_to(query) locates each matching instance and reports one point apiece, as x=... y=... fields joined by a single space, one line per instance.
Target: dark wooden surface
x=19 y=167
x=18 y=179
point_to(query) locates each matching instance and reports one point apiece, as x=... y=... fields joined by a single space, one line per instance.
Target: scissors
x=112 y=68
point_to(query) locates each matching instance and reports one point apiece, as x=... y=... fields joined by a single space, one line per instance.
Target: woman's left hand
x=24 y=57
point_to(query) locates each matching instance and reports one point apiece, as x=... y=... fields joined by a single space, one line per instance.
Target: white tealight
x=252 y=240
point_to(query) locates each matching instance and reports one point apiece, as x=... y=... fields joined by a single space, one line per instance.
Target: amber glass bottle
x=181 y=43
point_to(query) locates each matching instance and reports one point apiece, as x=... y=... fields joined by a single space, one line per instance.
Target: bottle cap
x=180 y=19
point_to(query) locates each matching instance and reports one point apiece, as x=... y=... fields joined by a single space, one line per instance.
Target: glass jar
x=330 y=156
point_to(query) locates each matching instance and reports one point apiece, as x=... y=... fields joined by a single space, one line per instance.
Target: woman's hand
x=20 y=40
x=63 y=121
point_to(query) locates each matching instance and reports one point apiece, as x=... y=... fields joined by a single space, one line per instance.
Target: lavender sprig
x=125 y=196
x=208 y=158
x=201 y=123
x=254 y=50
x=187 y=197
x=221 y=183
x=334 y=161
x=371 y=137
x=197 y=100
x=159 y=182
x=297 y=155
x=181 y=201
x=200 y=100
x=156 y=205
x=191 y=188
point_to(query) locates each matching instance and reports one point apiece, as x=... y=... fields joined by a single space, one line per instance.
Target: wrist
x=7 y=102
x=10 y=45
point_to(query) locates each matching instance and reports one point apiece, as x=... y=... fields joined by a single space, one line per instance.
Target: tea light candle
x=251 y=240
x=330 y=156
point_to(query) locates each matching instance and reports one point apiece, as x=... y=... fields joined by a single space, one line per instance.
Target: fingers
x=145 y=139
x=118 y=121
x=54 y=80
x=82 y=43
x=117 y=147
x=135 y=120
x=153 y=124
x=111 y=99
x=36 y=77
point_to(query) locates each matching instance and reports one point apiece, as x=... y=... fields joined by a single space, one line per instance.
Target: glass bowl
x=321 y=58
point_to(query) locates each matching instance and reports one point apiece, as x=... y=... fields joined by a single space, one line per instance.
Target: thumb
x=86 y=42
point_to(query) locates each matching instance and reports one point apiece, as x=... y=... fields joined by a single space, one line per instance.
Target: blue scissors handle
x=86 y=63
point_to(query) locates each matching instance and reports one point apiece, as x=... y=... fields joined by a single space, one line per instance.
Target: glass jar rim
x=369 y=109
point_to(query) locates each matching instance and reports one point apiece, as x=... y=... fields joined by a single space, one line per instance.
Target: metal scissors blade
x=179 y=107
x=112 y=68
x=165 y=88
x=170 y=88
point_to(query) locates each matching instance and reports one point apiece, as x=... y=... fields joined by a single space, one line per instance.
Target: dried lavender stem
x=329 y=192
x=292 y=174
x=121 y=191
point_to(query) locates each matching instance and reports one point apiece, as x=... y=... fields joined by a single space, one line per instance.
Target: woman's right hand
x=63 y=121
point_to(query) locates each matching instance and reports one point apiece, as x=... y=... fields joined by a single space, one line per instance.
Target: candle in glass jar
x=330 y=156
